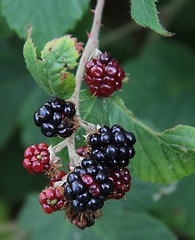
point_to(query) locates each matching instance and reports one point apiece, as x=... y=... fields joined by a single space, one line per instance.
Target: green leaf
x=160 y=157
x=4 y=29
x=34 y=65
x=29 y=133
x=144 y=13
x=161 y=86
x=133 y=225
x=52 y=71
x=177 y=209
x=140 y=198
x=13 y=83
x=49 y=19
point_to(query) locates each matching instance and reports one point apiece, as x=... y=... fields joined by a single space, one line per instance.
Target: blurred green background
x=160 y=93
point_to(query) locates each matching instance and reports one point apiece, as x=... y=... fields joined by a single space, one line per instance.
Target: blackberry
x=121 y=180
x=52 y=199
x=56 y=117
x=112 y=146
x=88 y=186
x=37 y=158
x=103 y=75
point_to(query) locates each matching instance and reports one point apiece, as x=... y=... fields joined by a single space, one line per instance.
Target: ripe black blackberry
x=112 y=146
x=103 y=75
x=88 y=186
x=56 y=117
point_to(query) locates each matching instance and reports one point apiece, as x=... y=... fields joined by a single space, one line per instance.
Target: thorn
x=89 y=34
x=93 y=11
x=97 y=22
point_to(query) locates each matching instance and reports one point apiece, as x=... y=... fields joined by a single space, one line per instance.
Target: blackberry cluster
x=103 y=75
x=112 y=147
x=88 y=186
x=37 y=158
x=56 y=117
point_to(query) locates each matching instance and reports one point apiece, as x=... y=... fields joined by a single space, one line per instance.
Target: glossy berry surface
x=103 y=75
x=82 y=151
x=56 y=177
x=121 y=180
x=52 y=199
x=88 y=186
x=112 y=147
x=37 y=158
x=56 y=117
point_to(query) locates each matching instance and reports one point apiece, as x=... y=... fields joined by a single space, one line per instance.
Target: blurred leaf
x=182 y=22
x=20 y=183
x=14 y=81
x=48 y=19
x=4 y=29
x=29 y=133
x=178 y=209
x=7 y=123
x=144 y=13
x=141 y=196
x=4 y=210
x=133 y=225
x=161 y=87
x=160 y=157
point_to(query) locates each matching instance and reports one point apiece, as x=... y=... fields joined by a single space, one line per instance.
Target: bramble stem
x=60 y=146
x=89 y=50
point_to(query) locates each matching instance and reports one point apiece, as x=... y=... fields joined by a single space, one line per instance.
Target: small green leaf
x=160 y=157
x=49 y=19
x=34 y=65
x=144 y=13
x=52 y=71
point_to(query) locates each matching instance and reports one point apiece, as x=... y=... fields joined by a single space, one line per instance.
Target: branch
x=89 y=50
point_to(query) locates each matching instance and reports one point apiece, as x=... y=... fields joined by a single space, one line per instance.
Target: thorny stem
x=89 y=50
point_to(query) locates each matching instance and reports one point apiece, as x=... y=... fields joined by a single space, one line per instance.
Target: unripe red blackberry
x=56 y=177
x=121 y=180
x=111 y=146
x=52 y=199
x=88 y=186
x=37 y=158
x=103 y=75
x=56 y=117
